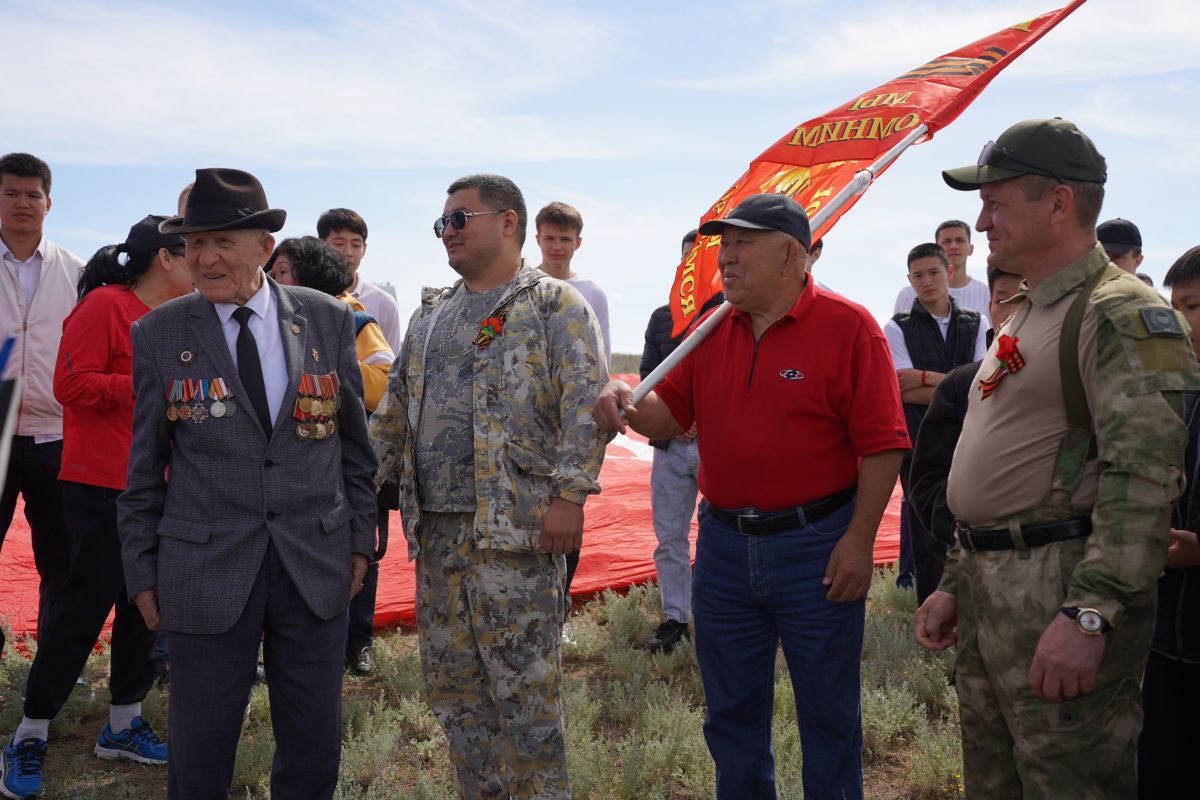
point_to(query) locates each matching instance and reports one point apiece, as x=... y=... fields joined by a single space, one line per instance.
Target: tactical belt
x=751 y=522
x=1033 y=535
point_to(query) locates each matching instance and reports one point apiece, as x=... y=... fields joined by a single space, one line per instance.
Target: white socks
x=32 y=729
x=120 y=718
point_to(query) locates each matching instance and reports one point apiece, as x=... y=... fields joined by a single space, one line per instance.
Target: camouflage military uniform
x=1015 y=744
x=489 y=604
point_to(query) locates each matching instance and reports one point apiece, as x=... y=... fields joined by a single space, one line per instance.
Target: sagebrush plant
x=635 y=721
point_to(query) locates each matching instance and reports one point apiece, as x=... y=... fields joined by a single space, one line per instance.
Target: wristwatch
x=1089 y=621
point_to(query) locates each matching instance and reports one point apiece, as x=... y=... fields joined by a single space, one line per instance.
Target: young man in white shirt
x=954 y=237
x=928 y=340
x=559 y=235
x=559 y=228
x=37 y=290
x=346 y=231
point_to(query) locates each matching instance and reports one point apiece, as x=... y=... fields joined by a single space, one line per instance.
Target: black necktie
x=250 y=369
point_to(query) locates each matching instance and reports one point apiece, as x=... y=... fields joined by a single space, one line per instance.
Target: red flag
x=817 y=159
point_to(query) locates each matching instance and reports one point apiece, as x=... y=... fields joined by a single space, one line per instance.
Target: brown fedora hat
x=225 y=200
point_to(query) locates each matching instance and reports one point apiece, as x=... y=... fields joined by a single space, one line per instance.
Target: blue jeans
x=749 y=594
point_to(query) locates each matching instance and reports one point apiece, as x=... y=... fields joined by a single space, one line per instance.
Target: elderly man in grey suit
x=249 y=509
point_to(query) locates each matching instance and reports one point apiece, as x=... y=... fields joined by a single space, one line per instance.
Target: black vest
x=929 y=351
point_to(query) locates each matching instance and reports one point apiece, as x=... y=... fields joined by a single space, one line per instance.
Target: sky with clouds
x=639 y=114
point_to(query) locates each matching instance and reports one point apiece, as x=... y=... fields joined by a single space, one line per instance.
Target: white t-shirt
x=900 y=357
x=974 y=295
x=382 y=306
x=596 y=298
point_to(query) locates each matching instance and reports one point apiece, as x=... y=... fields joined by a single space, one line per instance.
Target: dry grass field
x=633 y=720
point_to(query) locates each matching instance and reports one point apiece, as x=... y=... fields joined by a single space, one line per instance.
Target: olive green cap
x=1051 y=147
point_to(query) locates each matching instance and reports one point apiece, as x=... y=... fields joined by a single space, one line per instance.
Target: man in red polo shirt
x=801 y=434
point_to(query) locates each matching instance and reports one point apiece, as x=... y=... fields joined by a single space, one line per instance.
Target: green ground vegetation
x=634 y=720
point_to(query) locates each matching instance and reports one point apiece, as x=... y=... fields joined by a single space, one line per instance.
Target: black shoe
x=667 y=636
x=359 y=663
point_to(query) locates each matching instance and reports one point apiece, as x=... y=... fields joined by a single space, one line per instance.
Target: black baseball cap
x=144 y=237
x=1118 y=236
x=1051 y=147
x=765 y=212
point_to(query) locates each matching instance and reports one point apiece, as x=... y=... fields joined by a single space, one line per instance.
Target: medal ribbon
x=1011 y=361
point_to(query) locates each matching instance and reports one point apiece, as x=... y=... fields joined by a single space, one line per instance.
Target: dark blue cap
x=765 y=212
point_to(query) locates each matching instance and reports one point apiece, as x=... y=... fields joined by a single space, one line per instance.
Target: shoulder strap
x=1079 y=445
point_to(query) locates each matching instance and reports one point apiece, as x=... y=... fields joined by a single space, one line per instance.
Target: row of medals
x=196 y=412
x=316 y=415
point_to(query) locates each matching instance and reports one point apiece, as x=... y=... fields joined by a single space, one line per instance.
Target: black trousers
x=95 y=583
x=211 y=676
x=33 y=474
x=1170 y=737
x=928 y=554
x=362 y=608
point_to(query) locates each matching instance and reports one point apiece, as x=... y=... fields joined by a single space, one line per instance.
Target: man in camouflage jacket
x=1061 y=485
x=486 y=424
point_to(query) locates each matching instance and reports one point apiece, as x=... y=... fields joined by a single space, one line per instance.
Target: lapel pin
x=295 y=328
x=186 y=357
x=316 y=355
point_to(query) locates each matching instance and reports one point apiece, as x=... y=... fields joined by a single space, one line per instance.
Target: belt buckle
x=752 y=516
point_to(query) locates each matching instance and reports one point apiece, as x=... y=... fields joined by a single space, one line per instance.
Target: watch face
x=1090 y=621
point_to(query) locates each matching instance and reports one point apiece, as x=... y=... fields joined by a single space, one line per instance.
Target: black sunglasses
x=458 y=220
x=987 y=157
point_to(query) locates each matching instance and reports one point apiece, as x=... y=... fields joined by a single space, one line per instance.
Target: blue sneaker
x=139 y=744
x=21 y=769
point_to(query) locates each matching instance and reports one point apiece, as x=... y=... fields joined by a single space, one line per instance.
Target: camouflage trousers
x=490 y=631
x=1014 y=744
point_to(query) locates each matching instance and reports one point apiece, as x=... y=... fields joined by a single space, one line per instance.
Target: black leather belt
x=1034 y=535
x=764 y=523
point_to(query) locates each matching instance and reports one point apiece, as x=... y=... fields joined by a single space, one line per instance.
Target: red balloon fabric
x=618 y=545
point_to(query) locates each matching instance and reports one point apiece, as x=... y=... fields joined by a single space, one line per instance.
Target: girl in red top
x=92 y=380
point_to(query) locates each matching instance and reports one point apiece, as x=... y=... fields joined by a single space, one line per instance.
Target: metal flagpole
x=857 y=185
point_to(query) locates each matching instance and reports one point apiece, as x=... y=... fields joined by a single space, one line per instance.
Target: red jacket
x=94 y=384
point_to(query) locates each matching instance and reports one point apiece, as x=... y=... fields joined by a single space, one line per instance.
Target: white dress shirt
x=264 y=324
x=27 y=272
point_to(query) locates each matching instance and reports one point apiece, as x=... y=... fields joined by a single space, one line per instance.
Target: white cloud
x=1102 y=39
x=370 y=84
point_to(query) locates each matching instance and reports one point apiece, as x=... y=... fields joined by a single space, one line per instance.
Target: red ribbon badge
x=1010 y=359
x=489 y=329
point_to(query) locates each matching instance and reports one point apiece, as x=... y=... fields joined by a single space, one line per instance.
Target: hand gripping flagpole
x=857 y=185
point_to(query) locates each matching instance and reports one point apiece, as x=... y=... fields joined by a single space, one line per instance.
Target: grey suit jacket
x=203 y=499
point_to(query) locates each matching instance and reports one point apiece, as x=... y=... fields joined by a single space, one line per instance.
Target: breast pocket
x=524 y=359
